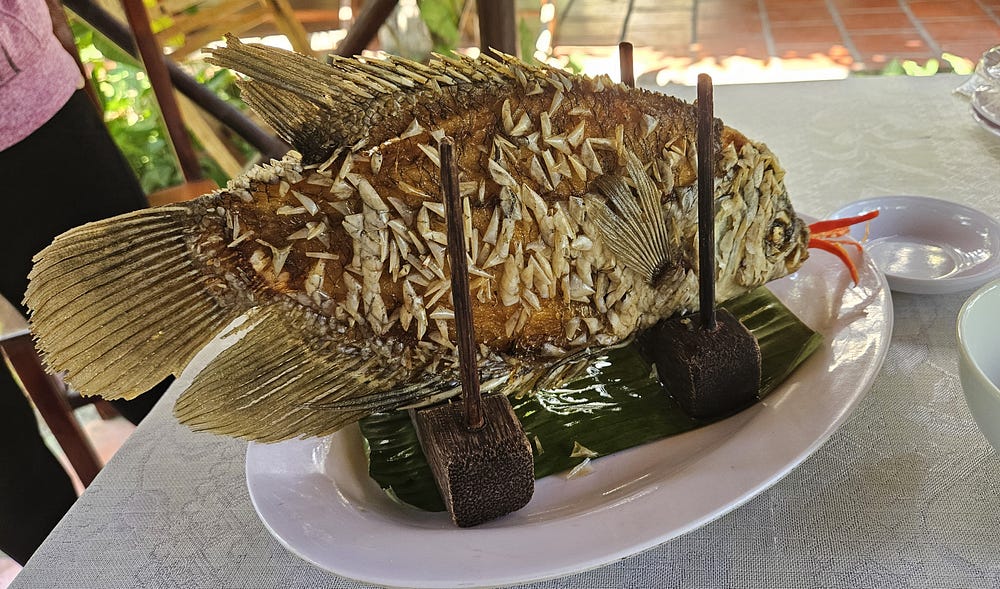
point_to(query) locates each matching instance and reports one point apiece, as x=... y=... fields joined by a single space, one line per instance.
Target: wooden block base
x=709 y=373
x=482 y=474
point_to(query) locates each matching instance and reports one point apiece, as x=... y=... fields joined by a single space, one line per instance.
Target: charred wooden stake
x=706 y=202
x=477 y=450
x=707 y=360
x=625 y=64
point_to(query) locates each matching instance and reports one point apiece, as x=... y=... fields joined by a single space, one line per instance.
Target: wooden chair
x=195 y=23
x=159 y=78
x=54 y=401
x=48 y=393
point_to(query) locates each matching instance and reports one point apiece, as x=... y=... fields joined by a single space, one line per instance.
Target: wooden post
x=366 y=26
x=497 y=26
x=625 y=64
x=159 y=79
x=480 y=457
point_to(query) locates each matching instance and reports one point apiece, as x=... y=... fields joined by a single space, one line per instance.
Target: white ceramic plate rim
x=979 y=274
x=320 y=505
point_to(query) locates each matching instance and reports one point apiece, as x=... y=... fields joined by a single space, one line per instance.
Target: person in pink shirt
x=59 y=168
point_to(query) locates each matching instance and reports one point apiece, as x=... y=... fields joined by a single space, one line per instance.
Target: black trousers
x=67 y=173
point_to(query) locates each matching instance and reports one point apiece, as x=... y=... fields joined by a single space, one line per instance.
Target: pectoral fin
x=632 y=222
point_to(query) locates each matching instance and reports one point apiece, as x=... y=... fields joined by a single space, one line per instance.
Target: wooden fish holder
x=476 y=448
x=712 y=362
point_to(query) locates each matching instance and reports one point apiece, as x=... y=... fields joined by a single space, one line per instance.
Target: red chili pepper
x=820 y=227
x=820 y=230
x=839 y=251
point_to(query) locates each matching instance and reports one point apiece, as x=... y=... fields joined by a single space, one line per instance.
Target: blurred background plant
x=948 y=62
x=133 y=117
x=443 y=19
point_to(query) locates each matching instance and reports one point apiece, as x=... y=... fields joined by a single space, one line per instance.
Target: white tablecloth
x=905 y=494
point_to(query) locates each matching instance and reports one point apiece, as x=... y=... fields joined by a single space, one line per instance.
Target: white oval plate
x=315 y=496
x=929 y=246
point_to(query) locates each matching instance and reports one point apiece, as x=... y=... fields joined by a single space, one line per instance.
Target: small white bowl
x=928 y=246
x=979 y=358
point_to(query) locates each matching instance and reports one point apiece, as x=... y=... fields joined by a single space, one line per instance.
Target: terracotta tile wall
x=864 y=33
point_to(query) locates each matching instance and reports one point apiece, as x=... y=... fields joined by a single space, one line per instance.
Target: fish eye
x=779 y=234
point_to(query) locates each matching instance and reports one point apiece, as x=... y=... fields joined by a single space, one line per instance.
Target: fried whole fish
x=580 y=223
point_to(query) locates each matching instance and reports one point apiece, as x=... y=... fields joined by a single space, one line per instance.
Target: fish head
x=759 y=236
x=782 y=240
x=786 y=240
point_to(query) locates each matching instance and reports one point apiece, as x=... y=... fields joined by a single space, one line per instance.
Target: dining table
x=904 y=494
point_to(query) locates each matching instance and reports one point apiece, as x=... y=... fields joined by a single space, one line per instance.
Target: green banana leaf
x=595 y=405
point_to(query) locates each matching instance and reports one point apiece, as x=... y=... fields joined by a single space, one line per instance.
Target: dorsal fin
x=632 y=222
x=318 y=107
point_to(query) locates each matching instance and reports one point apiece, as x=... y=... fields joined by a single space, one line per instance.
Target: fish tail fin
x=120 y=304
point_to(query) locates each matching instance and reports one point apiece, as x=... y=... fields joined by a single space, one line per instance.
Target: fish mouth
x=798 y=250
x=801 y=232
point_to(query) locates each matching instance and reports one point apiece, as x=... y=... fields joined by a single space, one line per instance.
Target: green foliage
x=959 y=65
x=159 y=23
x=441 y=18
x=573 y=64
x=132 y=114
x=913 y=68
x=909 y=67
x=526 y=36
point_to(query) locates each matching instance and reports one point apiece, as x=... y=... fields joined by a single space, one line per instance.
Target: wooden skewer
x=625 y=63
x=706 y=202
x=465 y=331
